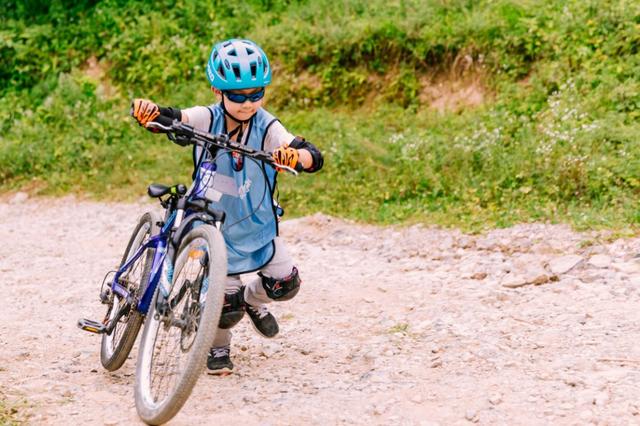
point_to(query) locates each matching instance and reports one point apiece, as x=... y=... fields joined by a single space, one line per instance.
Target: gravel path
x=534 y=324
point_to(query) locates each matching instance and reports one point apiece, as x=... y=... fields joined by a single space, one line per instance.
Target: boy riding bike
x=238 y=71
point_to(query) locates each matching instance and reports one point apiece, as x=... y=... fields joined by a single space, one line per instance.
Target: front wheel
x=116 y=346
x=180 y=327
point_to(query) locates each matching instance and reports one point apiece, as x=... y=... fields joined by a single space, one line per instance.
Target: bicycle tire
x=151 y=408
x=113 y=350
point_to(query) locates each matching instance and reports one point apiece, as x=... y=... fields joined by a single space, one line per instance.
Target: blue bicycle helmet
x=238 y=64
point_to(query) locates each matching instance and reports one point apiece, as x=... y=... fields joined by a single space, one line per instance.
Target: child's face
x=242 y=111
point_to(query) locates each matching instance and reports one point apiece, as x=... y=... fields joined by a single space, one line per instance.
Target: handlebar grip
x=164 y=120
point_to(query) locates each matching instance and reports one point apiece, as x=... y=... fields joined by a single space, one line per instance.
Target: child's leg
x=223 y=336
x=281 y=266
x=219 y=361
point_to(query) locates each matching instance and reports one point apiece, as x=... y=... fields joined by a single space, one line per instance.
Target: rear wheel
x=116 y=346
x=180 y=327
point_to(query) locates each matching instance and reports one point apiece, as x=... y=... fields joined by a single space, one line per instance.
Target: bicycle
x=171 y=278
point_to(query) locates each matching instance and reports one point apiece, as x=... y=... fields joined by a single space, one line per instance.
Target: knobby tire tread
x=206 y=330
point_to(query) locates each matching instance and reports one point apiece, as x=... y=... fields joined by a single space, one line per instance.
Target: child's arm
x=300 y=155
x=145 y=111
x=294 y=152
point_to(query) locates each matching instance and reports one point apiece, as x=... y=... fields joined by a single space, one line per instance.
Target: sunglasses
x=239 y=98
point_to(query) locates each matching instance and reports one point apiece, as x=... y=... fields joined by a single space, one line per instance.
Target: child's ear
x=217 y=92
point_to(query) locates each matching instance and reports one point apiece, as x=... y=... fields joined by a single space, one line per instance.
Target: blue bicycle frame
x=160 y=242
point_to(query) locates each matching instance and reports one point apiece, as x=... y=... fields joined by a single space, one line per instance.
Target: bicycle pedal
x=92 y=326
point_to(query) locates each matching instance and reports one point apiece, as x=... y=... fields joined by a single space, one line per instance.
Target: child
x=239 y=71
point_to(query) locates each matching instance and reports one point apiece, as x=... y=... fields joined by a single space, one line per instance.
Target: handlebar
x=183 y=135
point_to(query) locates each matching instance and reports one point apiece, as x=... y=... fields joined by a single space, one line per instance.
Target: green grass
x=555 y=140
x=8 y=416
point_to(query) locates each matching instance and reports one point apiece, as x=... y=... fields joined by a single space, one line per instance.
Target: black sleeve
x=173 y=113
x=300 y=143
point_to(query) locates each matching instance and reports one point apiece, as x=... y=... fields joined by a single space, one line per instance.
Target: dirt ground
x=534 y=324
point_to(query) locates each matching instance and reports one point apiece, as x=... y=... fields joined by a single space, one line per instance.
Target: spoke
x=131 y=281
x=168 y=355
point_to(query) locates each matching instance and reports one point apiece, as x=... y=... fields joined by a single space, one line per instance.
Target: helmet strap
x=240 y=128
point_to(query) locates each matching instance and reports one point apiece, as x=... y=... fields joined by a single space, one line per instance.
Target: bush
x=556 y=138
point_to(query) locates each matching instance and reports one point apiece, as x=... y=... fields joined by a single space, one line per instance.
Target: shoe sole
x=221 y=372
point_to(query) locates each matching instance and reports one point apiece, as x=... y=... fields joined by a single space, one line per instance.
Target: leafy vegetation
x=554 y=138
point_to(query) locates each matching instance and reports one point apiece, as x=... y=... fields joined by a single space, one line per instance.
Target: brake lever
x=157 y=126
x=287 y=168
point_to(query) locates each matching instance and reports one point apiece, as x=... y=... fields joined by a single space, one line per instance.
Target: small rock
x=479 y=276
x=471 y=415
x=270 y=349
x=540 y=279
x=514 y=281
x=495 y=399
x=563 y=264
x=600 y=261
x=19 y=198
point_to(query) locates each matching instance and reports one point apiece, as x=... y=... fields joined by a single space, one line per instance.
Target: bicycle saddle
x=156 y=190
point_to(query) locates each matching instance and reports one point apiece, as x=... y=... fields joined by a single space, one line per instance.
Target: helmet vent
x=226 y=64
x=250 y=52
x=215 y=55
x=233 y=53
x=236 y=71
x=253 y=70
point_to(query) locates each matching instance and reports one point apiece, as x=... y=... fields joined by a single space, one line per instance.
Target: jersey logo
x=244 y=189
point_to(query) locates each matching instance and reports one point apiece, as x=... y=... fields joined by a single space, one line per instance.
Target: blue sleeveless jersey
x=250 y=225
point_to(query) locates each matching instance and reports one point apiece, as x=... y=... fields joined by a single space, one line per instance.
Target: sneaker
x=232 y=309
x=219 y=362
x=263 y=322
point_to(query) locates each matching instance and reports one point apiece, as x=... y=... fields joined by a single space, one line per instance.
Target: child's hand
x=144 y=111
x=287 y=156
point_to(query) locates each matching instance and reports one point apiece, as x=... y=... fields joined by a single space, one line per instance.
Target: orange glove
x=144 y=111
x=287 y=156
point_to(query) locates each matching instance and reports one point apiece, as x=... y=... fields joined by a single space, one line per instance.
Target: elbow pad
x=300 y=143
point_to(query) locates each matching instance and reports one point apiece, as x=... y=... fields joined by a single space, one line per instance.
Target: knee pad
x=232 y=309
x=284 y=288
